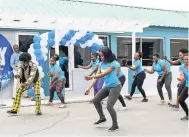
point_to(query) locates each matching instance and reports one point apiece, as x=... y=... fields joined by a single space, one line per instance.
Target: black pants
x=182 y=98
x=122 y=80
x=138 y=81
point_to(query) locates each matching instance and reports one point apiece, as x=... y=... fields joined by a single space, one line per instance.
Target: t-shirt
x=138 y=64
x=185 y=71
x=120 y=73
x=56 y=68
x=94 y=64
x=111 y=80
x=158 y=67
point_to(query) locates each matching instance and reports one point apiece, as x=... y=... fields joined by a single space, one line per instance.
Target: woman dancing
x=112 y=88
x=163 y=69
x=138 y=78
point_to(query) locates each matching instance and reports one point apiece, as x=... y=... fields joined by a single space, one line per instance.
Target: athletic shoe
x=113 y=128
x=122 y=108
x=100 y=121
x=162 y=102
x=145 y=100
x=176 y=108
x=11 y=112
x=62 y=106
x=50 y=104
x=13 y=98
x=38 y=113
x=128 y=97
x=184 y=118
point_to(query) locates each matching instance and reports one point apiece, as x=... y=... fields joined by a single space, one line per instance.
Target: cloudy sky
x=182 y=5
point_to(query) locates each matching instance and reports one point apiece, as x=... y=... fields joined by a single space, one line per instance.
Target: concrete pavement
x=141 y=119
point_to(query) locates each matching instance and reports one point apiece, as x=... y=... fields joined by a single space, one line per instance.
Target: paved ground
x=141 y=119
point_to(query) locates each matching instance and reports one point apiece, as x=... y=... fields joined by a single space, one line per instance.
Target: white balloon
x=44 y=36
x=89 y=43
x=33 y=57
x=41 y=75
x=36 y=62
x=43 y=43
x=42 y=95
x=83 y=45
x=40 y=69
x=95 y=37
x=30 y=50
x=100 y=42
x=44 y=51
x=78 y=35
x=45 y=58
x=67 y=43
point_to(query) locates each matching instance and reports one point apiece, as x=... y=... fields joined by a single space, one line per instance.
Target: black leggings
x=122 y=80
x=60 y=96
x=182 y=98
x=138 y=81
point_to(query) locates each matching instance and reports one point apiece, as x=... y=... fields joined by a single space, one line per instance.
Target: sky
x=181 y=5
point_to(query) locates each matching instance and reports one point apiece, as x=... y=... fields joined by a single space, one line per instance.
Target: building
x=167 y=33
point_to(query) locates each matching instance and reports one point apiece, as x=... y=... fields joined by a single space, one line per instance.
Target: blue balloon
x=36 y=38
x=83 y=40
x=67 y=37
x=63 y=42
x=77 y=43
x=89 y=36
x=51 y=34
x=51 y=42
x=71 y=33
x=37 y=52
x=36 y=45
x=40 y=58
x=31 y=92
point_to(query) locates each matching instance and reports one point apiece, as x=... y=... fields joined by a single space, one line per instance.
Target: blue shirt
x=138 y=64
x=95 y=63
x=56 y=68
x=158 y=67
x=111 y=80
x=120 y=73
x=185 y=71
x=14 y=61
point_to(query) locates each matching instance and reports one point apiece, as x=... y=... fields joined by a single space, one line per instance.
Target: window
x=124 y=49
x=82 y=55
x=25 y=41
x=150 y=47
x=146 y=45
x=176 y=45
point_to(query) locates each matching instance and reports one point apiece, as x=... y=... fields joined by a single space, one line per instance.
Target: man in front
x=28 y=75
x=14 y=62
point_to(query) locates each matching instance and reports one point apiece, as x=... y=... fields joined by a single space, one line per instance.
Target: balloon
x=42 y=74
x=63 y=42
x=82 y=40
x=67 y=43
x=43 y=43
x=44 y=51
x=42 y=95
x=33 y=57
x=51 y=42
x=36 y=62
x=40 y=69
x=89 y=36
x=44 y=36
x=36 y=38
x=37 y=52
x=67 y=37
x=78 y=35
x=45 y=58
x=89 y=43
x=31 y=92
x=36 y=45
x=51 y=34
x=83 y=45
x=77 y=43
x=71 y=33
x=31 y=50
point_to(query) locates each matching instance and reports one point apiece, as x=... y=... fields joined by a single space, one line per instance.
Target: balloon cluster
x=5 y=77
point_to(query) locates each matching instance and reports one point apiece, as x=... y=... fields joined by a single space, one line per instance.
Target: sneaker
x=184 y=118
x=38 y=113
x=13 y=98
x=122 y=108
x=113 y=128
x=145 y=100
x=128 y=97
x=163 y=102
x=176 y=108
x=100 y=121
x=62 y=106
x=50 y=104
x=11 y=112
x=171 y=105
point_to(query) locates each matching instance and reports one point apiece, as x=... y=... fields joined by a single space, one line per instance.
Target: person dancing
x=181 y=84
x=112 y=88
x=58 y=81
x=184 y=93
x=29 y=77
x=94 y=65
x=163 y=68
x=138 y=78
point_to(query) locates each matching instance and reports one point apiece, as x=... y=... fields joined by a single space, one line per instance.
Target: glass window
x=150 y=47
x=24 y=42
x=124 y=49
x=82 y=55
x=176 y=45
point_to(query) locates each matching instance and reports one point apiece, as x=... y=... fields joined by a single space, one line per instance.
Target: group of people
x=106 y=70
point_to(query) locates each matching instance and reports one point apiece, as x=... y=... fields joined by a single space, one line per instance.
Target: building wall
x=79 y=84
